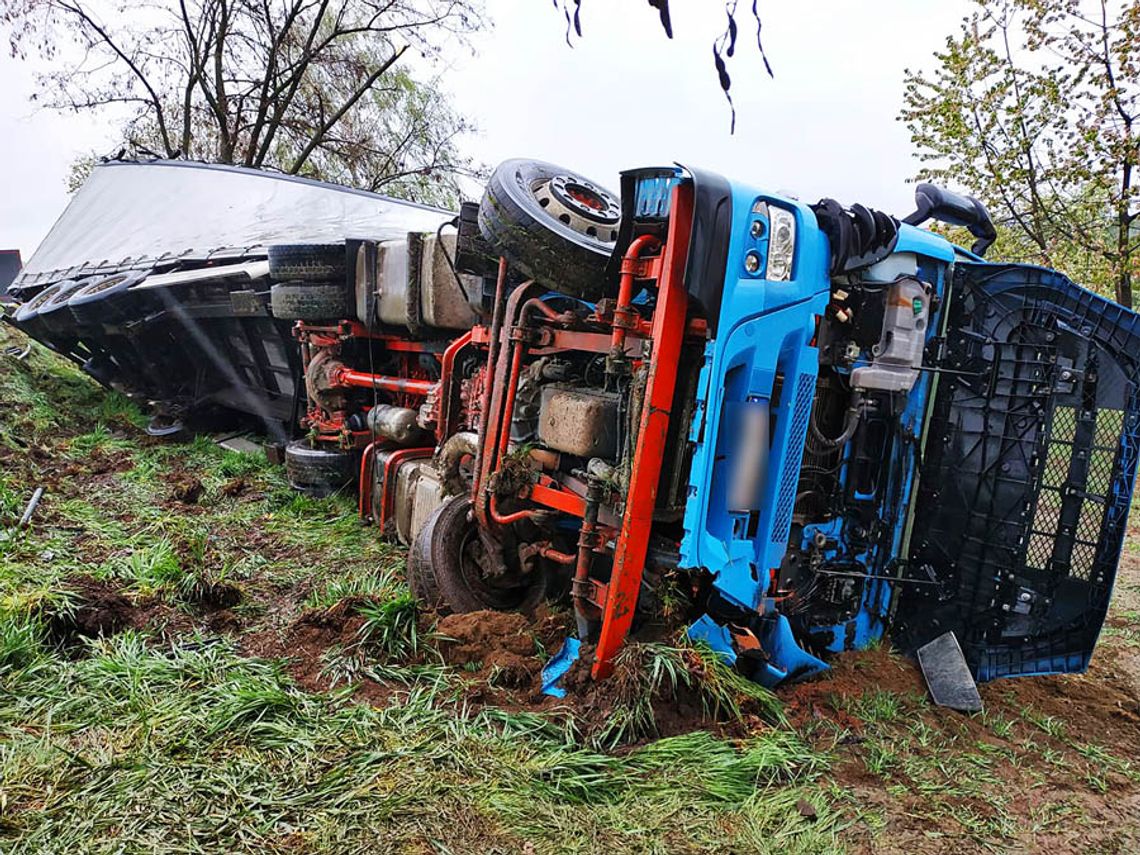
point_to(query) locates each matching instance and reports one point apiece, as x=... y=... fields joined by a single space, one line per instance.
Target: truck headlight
x=781 y=245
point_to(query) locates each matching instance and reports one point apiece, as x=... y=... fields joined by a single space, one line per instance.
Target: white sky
x=623 y=96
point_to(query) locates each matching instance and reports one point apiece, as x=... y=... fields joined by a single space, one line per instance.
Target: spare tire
x=552 y=224
x=104 y=299
x=302 y=301
x=308 y=262
x=319 y=471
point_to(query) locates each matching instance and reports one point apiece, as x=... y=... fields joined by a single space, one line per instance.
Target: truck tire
x=554 y=225
x=104 y=299
x=319 y=471
x=308 y=262
x=27 y=316
x=444 y=569
x=302 y=301
x=54 y=313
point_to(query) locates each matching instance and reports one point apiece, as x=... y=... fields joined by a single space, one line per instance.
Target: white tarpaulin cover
x=127 y=214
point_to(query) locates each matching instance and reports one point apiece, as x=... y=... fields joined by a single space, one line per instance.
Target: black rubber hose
x=849 y=425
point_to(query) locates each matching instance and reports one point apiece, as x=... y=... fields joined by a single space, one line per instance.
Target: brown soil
x=495 y=647
x=187 y=490
x=101 y=610
x=305 y=642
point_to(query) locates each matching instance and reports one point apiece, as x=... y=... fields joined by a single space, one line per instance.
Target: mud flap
x=948 y=675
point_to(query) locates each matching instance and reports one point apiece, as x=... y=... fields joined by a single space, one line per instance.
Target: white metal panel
x=128 y=213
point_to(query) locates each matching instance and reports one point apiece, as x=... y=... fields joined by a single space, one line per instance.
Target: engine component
x=450 y=456
x=419 y=491
x=554 y=225
x=398 y=424
x=898 y=355
x=579 y=421
x=321 y=386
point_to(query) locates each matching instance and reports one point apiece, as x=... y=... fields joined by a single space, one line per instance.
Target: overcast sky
x=622 y=96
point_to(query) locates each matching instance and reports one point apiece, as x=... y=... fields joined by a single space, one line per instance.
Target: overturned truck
x=823 y=424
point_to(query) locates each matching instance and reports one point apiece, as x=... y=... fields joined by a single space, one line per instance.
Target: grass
x=179 y=741
x=645 y=674
x=149 y=742
x=140 y=747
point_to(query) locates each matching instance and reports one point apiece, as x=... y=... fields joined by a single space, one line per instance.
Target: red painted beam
x=667 y=335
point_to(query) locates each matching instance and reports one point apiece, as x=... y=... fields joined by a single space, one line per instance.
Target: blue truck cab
x=893 y=439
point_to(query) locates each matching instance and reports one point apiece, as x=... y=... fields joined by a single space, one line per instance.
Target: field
x=195 y=659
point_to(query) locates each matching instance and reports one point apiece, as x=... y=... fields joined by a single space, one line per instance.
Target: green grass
x=180 y=743
x=136 y=747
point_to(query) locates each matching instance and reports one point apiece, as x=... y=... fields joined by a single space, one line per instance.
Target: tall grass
x=191 y=748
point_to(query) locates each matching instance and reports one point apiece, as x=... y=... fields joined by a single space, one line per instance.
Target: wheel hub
x=581 y=205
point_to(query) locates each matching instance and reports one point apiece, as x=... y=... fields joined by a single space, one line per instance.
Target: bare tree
x=311 y=87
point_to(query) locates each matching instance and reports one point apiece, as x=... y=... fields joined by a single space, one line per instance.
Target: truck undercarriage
x=824 y=426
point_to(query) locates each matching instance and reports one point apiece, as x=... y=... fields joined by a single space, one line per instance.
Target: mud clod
x=98 y=611
x=476 y=637
x=187 y=490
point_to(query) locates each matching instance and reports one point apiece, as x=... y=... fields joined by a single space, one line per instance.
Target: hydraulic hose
x=851 y=422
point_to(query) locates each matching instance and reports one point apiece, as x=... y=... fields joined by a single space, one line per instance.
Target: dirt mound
x=98 y=610
x=850 y=676
x=212 y=596
x=500 y=648
x=318 y=630
x=631 y=706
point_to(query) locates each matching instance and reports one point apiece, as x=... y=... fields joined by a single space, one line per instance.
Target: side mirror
x=937 y=203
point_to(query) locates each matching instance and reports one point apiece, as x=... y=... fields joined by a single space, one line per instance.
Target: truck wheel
x=104 y=299
x=27 y=316
x=447 y=562
x=308 y=262
x=554 y=225
x=301 y=301
x=319 y=471
x=54 y=314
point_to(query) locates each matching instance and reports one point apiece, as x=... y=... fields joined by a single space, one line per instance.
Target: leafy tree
x=1035 y=108
x=310 y=87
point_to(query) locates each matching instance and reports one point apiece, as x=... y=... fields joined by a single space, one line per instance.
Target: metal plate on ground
x=947 y=675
